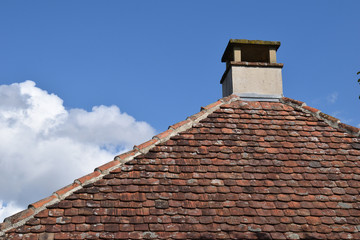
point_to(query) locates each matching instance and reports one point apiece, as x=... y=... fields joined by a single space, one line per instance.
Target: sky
x=82 y=81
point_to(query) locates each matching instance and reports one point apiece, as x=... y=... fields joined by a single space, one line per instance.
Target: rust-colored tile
x=88 y=177
x=66 y=189
x=42 y=202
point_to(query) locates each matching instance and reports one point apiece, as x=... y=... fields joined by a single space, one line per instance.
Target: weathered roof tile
x=41 y=202
x=245 y=170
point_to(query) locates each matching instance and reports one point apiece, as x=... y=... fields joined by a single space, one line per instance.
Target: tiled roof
x=235 y=170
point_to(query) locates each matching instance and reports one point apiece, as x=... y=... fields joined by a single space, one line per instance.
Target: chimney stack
x=251 y=70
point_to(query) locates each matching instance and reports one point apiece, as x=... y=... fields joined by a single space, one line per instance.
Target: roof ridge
x=332 y=121
x=21 y=217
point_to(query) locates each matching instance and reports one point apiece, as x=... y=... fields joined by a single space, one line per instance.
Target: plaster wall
x=253 y=80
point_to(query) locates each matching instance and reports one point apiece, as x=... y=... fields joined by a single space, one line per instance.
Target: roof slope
x=236 y=170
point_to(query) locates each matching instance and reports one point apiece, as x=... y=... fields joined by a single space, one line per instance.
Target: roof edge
x=332 y=121
x=22 y=217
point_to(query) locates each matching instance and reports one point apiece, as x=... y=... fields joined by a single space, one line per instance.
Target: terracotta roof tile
x=41 y=202
x=212 y=105
x=86 y=178
x=125 y=156
x=163 y=135
x=107 y=166
x=146 y=145
x=240 y=170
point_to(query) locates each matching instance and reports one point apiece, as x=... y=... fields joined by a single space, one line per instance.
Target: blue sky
x=159 y=62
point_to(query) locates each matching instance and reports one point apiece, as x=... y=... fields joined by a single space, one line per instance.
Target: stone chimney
x=251 y=70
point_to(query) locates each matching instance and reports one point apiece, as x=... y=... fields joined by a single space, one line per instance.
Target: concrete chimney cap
x=229 y=51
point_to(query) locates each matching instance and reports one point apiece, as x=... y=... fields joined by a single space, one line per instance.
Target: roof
x=235 y=170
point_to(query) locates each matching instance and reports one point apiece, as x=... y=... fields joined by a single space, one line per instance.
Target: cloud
x=8 y=209
x=332 y=97
x=45 y=146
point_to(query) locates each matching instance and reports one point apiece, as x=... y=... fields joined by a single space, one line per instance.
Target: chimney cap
x=229 y=51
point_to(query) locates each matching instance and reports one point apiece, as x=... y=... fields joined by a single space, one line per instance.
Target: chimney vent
x=251 y=70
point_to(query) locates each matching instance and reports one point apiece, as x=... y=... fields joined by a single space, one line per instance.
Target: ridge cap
x=20 y=218
x=330 y=120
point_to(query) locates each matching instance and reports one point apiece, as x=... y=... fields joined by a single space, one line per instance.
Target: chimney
x=251 y=70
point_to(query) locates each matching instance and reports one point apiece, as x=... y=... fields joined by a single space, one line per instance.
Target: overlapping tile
x=244 y=170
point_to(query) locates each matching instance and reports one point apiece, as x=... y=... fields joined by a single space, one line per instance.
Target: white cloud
x=332 y=97
x=8 y=209
x=44 y=147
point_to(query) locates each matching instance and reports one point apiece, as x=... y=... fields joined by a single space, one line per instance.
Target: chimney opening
x=255 y=54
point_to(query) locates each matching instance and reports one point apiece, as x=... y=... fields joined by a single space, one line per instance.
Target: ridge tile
x=237 y=169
